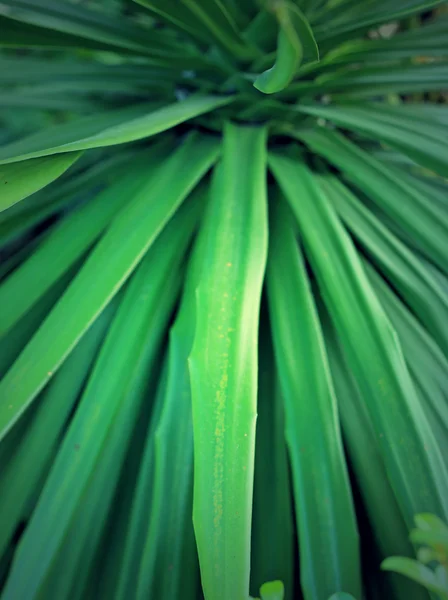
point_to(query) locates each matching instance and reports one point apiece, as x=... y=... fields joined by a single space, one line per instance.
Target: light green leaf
x=223 y=363
x=415 y=571
x=21 y=179
x=117 y=127
x=429 y=522
x=425 y=360
x=295 y=45
x=437 y=540
x=272 y=590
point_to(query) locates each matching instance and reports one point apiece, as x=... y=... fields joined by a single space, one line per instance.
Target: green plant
x=213 y=208
x=431 y=536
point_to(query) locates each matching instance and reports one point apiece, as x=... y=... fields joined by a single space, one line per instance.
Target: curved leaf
x=21 y=179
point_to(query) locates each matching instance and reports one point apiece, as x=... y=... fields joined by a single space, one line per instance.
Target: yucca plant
x=214 y=209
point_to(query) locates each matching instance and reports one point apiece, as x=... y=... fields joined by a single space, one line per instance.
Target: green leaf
x=108 y=267
x=135 y=532
x=12 y=344
x=218 y=20
x=172 y=573
x=325 y=515
x=21 y=179
x=429 y=522
x=426 y=361
x=33 y=452
x=61 y=197
x=364 y=453
x=415 y=571
x=118 y=127
x=95 y=445
x=272 y=590
x=411 y=455
x=428 y=40
x=166 y=471
x=99 y=27
x=273 y=543
x=423 y=141
x=175 y=13
x=262 y=31
x=351 y=83
x=421 y=220
x=420 y=290
x=223 y=363
x=295 y=45
x=352 y=18
x=67 y=241
x=438 y=540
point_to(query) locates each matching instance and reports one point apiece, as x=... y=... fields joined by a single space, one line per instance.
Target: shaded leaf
x=21 y=179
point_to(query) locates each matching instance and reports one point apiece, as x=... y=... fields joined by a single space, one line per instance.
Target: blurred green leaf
x=118 y=127
x=21 y=179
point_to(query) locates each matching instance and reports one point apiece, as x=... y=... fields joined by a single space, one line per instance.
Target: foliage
x=213 y=210
x=431 y=537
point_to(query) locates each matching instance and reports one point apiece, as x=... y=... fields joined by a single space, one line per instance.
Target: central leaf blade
x=223 y=364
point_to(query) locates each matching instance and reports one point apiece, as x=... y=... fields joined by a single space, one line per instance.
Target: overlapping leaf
x=107 y=269
x=408 y=448
x=325 y=513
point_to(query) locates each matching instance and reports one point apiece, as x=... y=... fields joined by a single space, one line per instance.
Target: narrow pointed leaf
x=223 y=364
x=19 y=180
x=325 y=514
x=67 y=242
x=421 y=220
x=33 y=454
x=272 y=524
x=217 y=19
x=363 y=449
x=423 y=141
x=118 y=127
x=412 y=456
x=421 y=291
x=76 y=21
x=95 y=445
x=144 y=569
x=110 y=264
